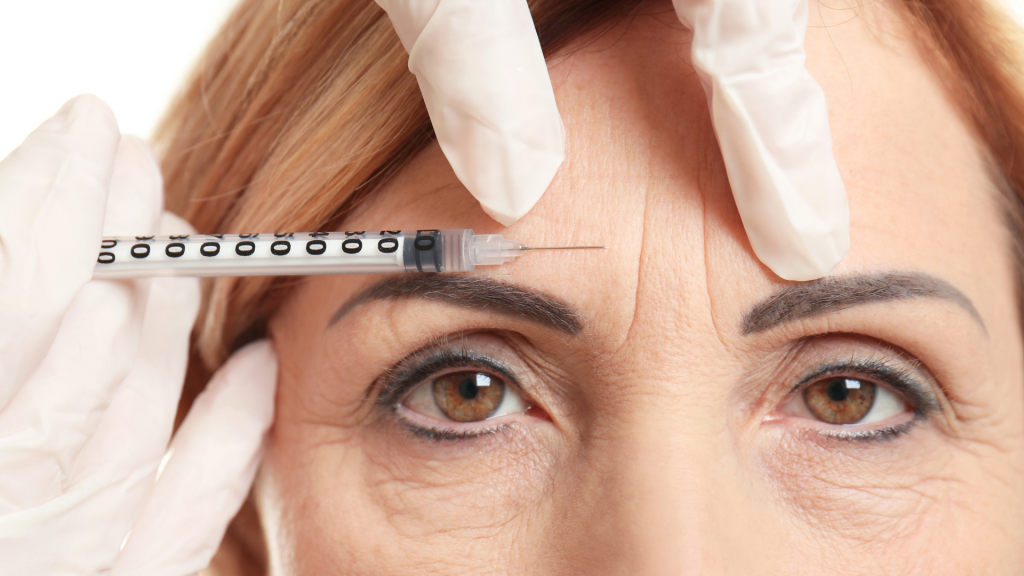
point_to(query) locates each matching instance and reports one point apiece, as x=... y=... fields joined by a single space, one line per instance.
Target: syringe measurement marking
x=302 y=253
x=141 y=250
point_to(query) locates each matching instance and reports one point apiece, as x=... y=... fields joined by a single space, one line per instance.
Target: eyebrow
x=830 y=295
x=474 y=292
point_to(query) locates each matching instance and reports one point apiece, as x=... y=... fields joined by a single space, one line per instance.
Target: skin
x=663 y=439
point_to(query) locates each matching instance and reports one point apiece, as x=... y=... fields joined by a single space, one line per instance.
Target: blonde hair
x=300 y=109
x=297 y=111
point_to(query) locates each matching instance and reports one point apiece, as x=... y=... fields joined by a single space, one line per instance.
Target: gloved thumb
x=208 y=470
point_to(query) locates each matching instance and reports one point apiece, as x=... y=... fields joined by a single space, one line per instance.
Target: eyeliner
x=919 y=395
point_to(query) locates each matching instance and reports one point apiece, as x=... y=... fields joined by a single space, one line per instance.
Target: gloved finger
x=114 y=472
x=62 y=403
x=87 y=512
x=135 y=430
x=172 y=225
x=487 y=89
x=209 y=469
x=53 y=192
x=58 y=408
x=772 y=125
x=136 y=197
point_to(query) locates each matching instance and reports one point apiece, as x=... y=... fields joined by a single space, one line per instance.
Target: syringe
x=301 y=253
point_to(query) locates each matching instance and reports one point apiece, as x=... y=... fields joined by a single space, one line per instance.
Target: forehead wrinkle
x=639 y=268
x=833 y=294
x=709 y=169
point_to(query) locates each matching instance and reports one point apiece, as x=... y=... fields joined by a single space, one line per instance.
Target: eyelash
x=447 y=435
x=887 y=434
x=896 y=377
x=420 y=366
x=426 y=363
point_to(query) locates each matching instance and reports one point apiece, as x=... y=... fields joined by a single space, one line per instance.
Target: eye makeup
x=446 y=434
x=871 y=380
x=424 y=371
x=429 y=361
x=897 y=377
x=882 y=397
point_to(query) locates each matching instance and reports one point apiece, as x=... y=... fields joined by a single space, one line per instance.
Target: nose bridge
x=677 y=473
x=681 y=490
x=669 y=483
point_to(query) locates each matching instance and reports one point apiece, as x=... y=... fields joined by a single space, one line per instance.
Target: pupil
x=468 y=388
x=837 y=391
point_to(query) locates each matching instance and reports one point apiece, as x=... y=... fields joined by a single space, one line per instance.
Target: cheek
x=350 y=495
x=900 y=510
x=422 y=486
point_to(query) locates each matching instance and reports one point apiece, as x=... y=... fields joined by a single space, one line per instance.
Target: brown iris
x=468 y=396
x=840 y=400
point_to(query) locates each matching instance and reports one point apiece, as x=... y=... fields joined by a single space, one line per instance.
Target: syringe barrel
x=438 y=251
x=283 y=254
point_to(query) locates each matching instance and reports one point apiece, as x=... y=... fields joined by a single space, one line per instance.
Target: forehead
x=643 y=175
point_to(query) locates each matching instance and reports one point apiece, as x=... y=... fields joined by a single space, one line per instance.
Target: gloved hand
x=91 y=372
x=772 y=126
x=484 y=80
x=486 y=87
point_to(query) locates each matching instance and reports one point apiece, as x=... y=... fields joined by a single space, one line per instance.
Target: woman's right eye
x=464 y=396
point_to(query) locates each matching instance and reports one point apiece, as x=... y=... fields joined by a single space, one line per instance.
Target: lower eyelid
x=883 y=434
x=445 y=435
x=814 y=430
x=441 y=430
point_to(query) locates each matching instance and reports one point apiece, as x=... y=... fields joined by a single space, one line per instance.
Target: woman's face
x=669 y=406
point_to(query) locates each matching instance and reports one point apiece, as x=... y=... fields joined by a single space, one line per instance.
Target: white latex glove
x=484 y=80
x=91 y=372
x=772 y=126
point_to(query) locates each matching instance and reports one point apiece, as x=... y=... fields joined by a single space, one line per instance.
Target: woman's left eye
x=466 y=396
x=845 y=400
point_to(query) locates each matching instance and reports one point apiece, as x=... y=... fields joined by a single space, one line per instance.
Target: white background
x=132 y=53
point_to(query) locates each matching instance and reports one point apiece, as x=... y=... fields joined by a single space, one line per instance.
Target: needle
x=524 y=248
